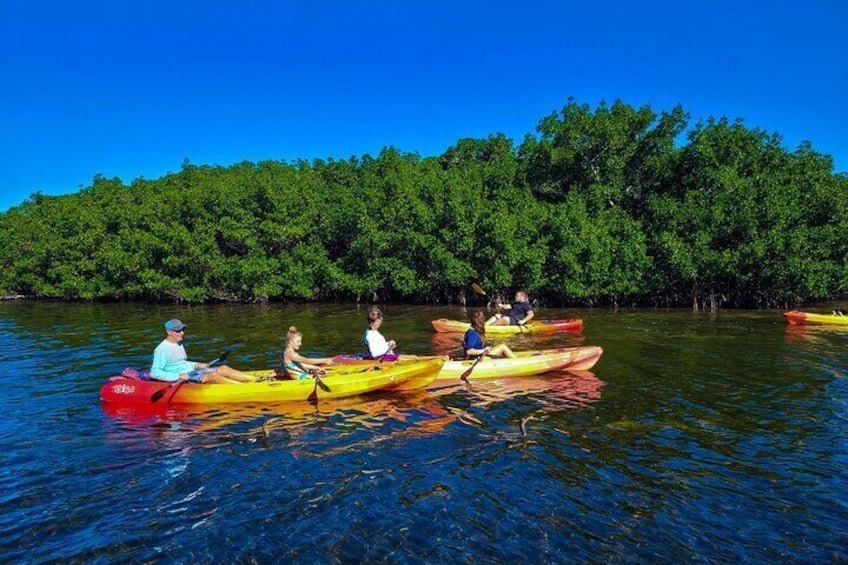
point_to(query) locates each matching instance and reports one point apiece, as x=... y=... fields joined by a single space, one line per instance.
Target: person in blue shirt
x=516 y=314
x=170 y=362
x=472 y=341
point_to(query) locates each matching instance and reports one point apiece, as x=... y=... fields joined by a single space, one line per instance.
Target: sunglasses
x=182 y=331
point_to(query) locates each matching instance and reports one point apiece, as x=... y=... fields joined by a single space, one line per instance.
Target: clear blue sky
x=130 y=89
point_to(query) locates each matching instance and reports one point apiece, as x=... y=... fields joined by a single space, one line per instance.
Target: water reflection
x=554 y=391
x=819 y=335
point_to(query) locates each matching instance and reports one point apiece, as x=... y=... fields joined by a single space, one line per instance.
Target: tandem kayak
x=342 y=381
x=797 y=317
x=526 y=363
x=443 y=325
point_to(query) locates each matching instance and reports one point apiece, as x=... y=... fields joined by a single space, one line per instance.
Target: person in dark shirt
x=473 y=344
x=516 y=314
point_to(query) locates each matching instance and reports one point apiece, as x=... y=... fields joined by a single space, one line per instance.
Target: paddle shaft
x=176 y=388
x=464 y=375
x=319 y=382
x=380 y=358
x=156 y=396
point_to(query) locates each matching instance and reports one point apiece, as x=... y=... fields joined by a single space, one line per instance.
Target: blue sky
x=130 y=89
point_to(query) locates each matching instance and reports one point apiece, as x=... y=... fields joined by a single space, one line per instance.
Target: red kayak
x=796 y=317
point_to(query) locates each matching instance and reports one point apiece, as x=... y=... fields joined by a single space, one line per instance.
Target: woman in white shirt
x=378 y=347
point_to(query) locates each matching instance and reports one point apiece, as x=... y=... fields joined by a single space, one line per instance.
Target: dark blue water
x=696 y=439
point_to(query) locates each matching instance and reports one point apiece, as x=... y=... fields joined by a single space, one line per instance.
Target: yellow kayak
x=797 y=317
x=443 y=325
x=342 y=381
x=526 y=363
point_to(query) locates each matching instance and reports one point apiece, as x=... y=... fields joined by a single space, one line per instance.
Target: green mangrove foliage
x=602 y=206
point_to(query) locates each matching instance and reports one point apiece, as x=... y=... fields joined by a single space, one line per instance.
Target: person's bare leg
x=498 y=320
x=501 y=350
x=234 y=375
x=215 y=378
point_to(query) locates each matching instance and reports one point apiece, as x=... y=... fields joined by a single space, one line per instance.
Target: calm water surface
x=696 y=439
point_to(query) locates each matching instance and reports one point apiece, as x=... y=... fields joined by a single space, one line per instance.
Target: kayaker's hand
x=329 y=361
x=182 y=377
x=392 y=344
x=202 y=365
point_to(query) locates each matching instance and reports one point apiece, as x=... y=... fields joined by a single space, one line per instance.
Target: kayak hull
x=797 y=317
x=444 y=325
x=526 y=363
x=342 y=381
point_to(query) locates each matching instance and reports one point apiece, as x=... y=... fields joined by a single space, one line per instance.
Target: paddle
x=176 y=388
x=321 y=384
x=314 y=372
x=479 y=289
x=219 y=360
x=161 y=392
x=157 y=396
x=464 y=375
x=313 y=396
x=380 y=358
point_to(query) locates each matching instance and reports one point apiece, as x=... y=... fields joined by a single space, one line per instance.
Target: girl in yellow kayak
x=297 y=366
x=473 y=344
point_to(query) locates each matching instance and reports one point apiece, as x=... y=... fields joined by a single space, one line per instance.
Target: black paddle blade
x=320 y=383
x=219 y=360
x=156 y=396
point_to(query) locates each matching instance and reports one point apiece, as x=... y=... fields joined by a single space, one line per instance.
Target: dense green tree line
x=600 y=206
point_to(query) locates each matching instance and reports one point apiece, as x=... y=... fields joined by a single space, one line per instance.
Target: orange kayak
x=525 y=364
x=797 y=317
x=540 y=326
